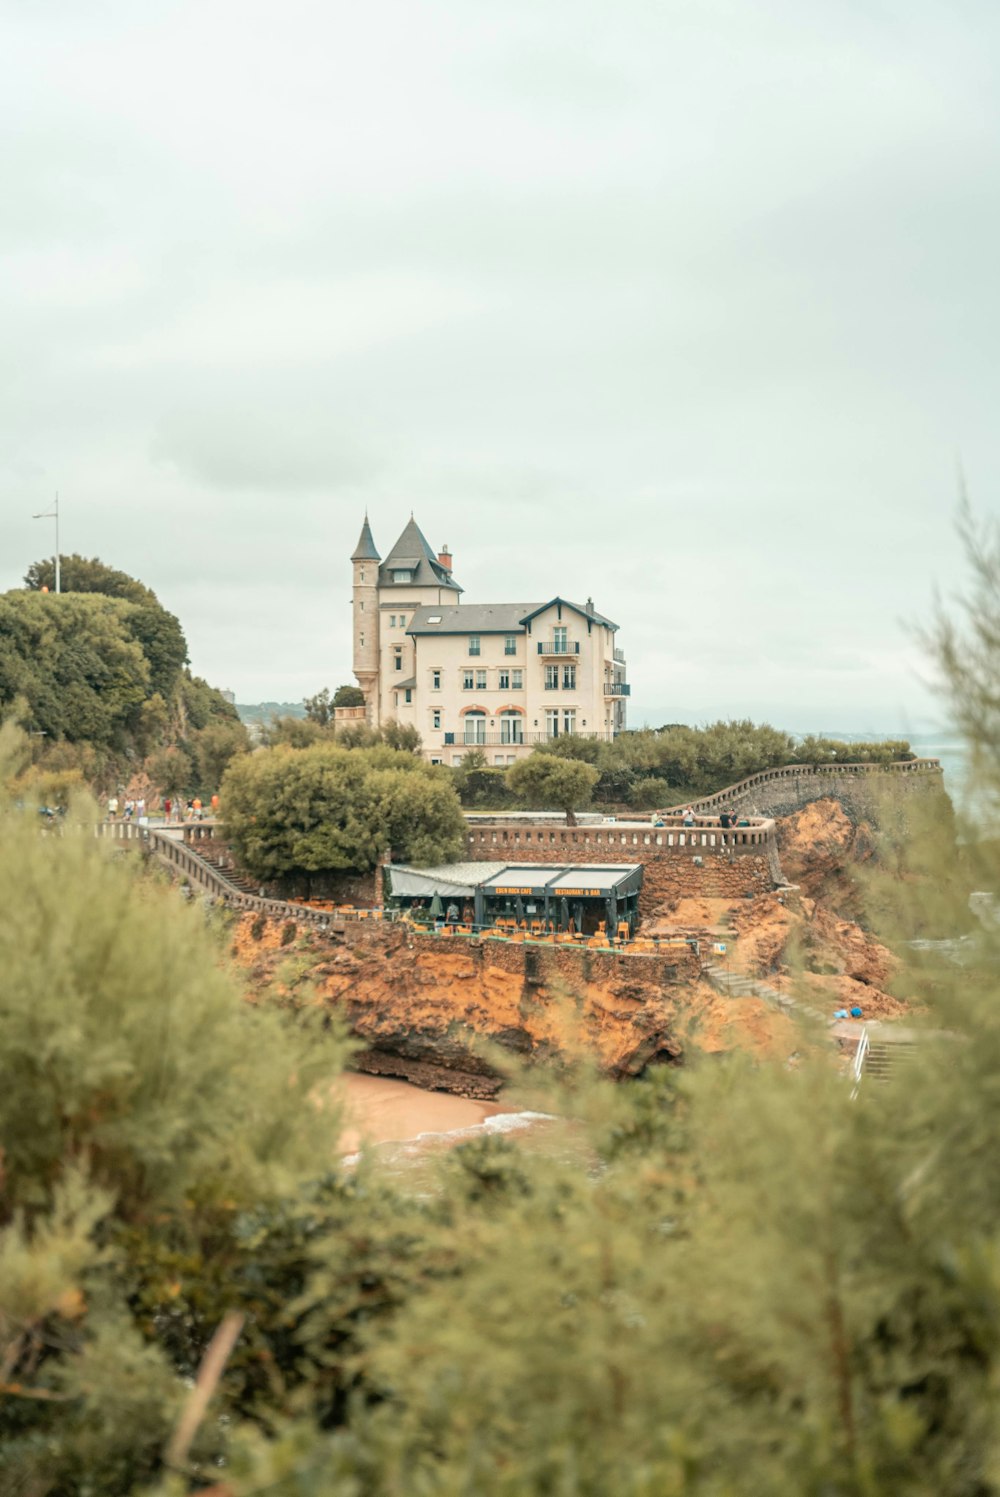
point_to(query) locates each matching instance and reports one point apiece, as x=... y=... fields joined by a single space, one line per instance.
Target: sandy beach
x=381 y=1110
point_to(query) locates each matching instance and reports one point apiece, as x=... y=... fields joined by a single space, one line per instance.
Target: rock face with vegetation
x=99 y=674
x=444 y=1013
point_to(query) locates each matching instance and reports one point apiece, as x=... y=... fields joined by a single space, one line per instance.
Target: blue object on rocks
x=840 y=1013
x=856 y=1012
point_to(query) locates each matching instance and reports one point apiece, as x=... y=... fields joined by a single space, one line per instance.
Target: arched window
x=511 y=727
x=475 y=727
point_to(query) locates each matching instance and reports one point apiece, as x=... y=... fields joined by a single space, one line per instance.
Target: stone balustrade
x=733 y=792
x=616 y=841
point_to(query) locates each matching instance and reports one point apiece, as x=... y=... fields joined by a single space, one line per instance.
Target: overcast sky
x=690 y=305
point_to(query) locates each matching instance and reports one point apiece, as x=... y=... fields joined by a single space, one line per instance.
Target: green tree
x=81 y=574
x=328 y=808
x=74 y=661
x=545 y=781
x=145 y=1109
x=348 y=696
x=319 y=708
x=214 y=747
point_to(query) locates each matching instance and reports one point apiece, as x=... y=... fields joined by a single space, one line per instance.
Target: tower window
x=436 y=680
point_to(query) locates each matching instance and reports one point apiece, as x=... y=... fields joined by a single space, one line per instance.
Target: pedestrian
x=112 y=807
x=129 y=808
x=140 y=808
x=167 y=804
x=196 y=807
x=687 y=817
x=451 y=918
x=215 y=804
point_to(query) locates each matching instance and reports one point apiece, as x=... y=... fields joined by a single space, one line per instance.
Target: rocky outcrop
x=445 y=1013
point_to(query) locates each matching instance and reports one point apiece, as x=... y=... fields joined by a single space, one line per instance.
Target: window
x=511 y=727
x=569 y=677
x=397 y=660
x=456 y=759
x=510 y=644
x=403 y=576
x=474 y=644
x=503 y=681
x=434 y=618
x=435 y=719
x=559 y=644
x=500 y=759
x=408 y=695
x=552 y=678
x=362 y=605
x=362 y=574
x=361 y=640
x=468 y=680
x=392 y=621
x=516 y=681
x=438 y=760
x=436 y=680
x=402 y=620
x=475 y=727
x=480 y=680
x=511 y=758
x=557 y=722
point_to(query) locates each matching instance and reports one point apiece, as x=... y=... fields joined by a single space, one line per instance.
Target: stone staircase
x=222 y=864
x=886 y=1058
x=738 y=985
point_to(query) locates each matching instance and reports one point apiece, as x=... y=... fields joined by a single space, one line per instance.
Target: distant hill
x=263 y=712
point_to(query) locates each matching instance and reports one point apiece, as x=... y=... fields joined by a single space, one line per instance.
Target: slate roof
x=412 y=552
x=490 y=618
x=365 y=549
x=472 y=618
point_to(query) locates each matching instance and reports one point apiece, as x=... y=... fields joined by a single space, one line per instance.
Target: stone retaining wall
x=679 y=862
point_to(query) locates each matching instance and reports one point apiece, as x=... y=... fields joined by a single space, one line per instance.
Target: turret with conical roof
x=365 y=562
x=366 y=549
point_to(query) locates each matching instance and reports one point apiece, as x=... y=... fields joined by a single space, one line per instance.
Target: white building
x=501 y=677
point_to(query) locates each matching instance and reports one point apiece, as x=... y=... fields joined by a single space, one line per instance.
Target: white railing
x=858 y=1063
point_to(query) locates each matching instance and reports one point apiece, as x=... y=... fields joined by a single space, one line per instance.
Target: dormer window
x=434 y=618
x=403 y=575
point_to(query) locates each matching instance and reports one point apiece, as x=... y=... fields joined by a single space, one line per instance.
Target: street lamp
x=53 y=514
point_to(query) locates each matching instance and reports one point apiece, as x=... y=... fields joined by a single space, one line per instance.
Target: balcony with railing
x=617 y=689
x=558 y=647
x=497 y=738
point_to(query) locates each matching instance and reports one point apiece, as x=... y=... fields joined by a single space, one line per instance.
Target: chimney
x=444 y=557
x=590 y=605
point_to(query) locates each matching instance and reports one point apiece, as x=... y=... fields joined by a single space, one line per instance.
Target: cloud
x=685 y=306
